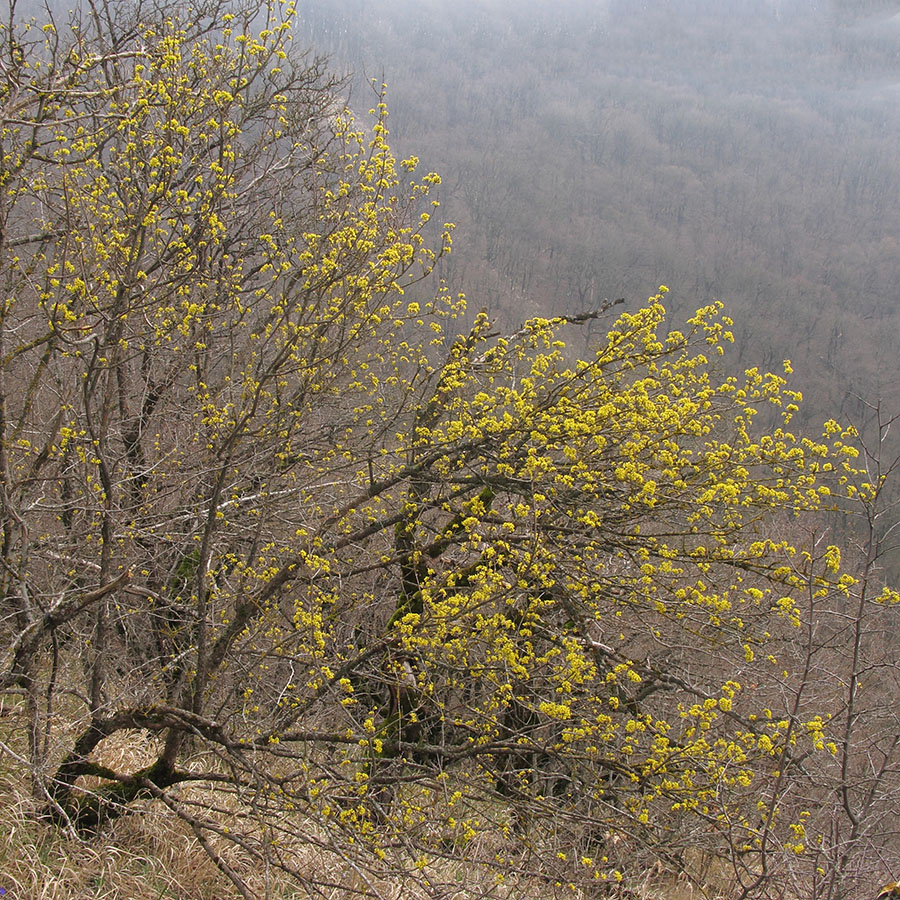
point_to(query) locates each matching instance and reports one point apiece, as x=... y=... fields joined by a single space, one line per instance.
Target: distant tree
x=426 y=603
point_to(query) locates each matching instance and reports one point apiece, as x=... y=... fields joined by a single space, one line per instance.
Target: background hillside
x=742 y=151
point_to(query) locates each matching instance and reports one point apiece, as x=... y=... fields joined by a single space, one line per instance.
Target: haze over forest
x=743 y=151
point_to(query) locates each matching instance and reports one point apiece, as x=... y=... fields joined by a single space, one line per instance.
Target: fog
x=735 y=150
x=743 y=151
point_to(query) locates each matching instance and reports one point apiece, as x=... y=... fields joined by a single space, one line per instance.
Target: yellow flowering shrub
x=372 y=579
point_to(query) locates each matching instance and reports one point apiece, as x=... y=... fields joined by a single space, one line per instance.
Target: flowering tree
x=353 y=583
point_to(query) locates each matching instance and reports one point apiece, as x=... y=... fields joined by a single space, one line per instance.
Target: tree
x=414 y=599
x=844 y=670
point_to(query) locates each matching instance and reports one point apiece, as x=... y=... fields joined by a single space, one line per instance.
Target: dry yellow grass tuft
x=145 y=856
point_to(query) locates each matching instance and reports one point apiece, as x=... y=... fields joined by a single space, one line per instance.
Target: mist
x=741 y=151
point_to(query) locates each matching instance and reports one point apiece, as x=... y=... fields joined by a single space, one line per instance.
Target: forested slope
x=738 y=151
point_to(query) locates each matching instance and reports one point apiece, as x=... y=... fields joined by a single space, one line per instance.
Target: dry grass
x=150 y=855
x=147 y=856
x=142 y=857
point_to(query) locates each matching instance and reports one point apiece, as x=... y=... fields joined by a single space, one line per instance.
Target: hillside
x=741 y=151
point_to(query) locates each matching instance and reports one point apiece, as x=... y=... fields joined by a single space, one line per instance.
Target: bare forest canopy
x=743 y=151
